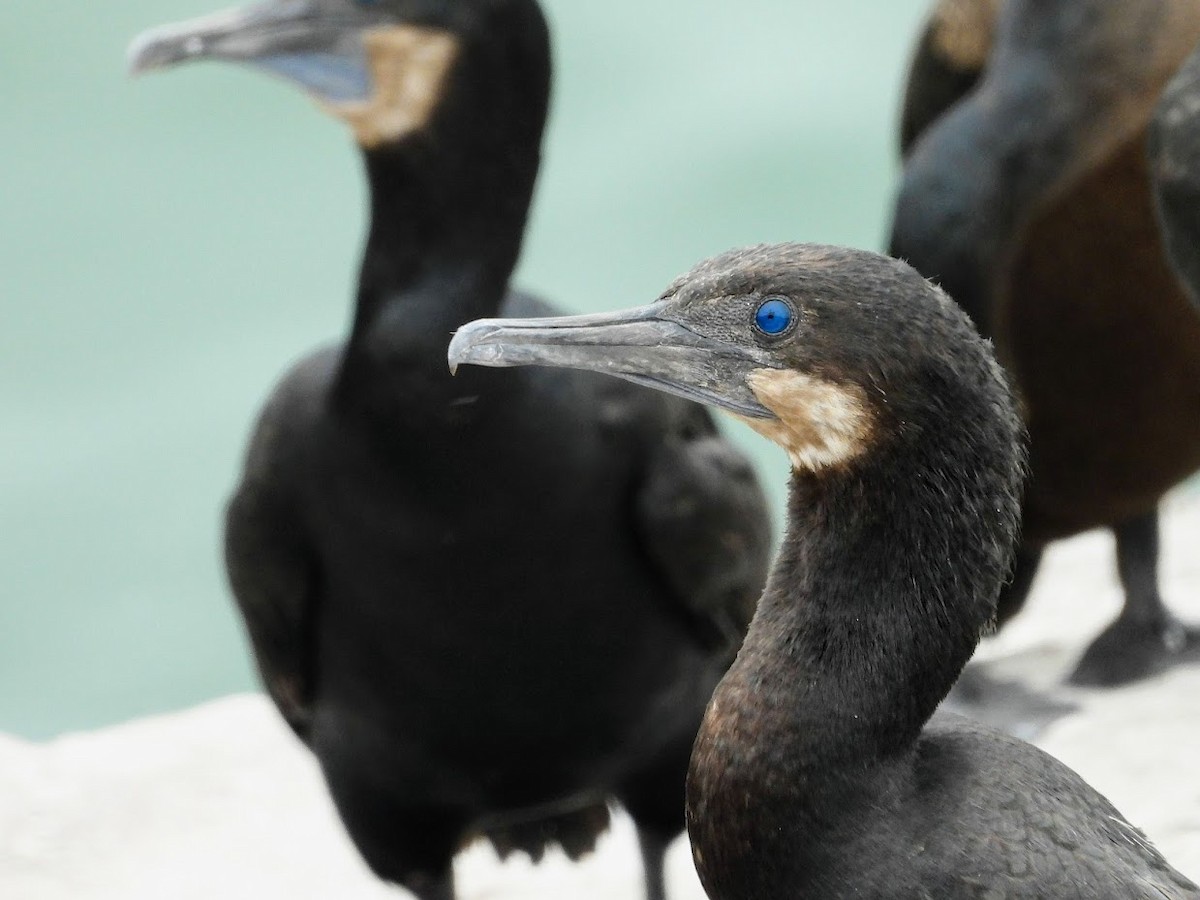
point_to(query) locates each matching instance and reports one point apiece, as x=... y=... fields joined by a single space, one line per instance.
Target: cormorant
x=487 y=605
x=822 y=769
x=1029 y=200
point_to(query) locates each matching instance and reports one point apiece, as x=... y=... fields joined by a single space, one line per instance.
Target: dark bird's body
x=489 y=605
x=477 y=644
x=822 y=769
x=1027 y=194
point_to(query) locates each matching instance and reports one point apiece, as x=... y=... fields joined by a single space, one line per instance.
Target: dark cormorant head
x=380 y=65
x=827 y=351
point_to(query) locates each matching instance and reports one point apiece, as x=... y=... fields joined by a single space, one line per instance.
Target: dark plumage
x=1174 y=148
x=488 y=604
x=1029 y=200
x=822 y=769
x=950 y=56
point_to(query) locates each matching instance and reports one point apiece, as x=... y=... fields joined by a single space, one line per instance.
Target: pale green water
x=170 y=244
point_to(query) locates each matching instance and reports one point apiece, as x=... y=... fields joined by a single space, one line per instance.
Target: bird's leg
x=1145 y=638
x=412 y=846
x=654 y=850
x=430 y=887
x=654 y=798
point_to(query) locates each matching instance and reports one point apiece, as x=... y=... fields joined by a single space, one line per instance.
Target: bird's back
x=998 y=814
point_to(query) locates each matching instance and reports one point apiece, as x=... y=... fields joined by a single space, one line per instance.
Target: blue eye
x=774 y=316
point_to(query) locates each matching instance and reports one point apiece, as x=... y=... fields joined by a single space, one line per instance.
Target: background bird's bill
x=303 y=41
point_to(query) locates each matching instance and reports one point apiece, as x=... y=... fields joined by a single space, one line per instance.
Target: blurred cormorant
x=1029 y=200
x=487 y=605
x=822 y=769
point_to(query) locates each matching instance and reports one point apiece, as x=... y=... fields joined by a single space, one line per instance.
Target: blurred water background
x=170 y=244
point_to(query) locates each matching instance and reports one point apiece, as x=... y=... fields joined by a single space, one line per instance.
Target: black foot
x=654 y=851
x=1007 y=705
x=1129 y=650
x=431 y=888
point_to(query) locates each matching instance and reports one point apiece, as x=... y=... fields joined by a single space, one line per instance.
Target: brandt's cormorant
x=822 y=769
x=487 y=605
x=1029 y=200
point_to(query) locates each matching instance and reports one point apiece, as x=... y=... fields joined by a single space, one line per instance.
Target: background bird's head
x=388 y=68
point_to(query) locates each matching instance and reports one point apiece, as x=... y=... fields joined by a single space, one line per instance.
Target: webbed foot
x=1132 y=648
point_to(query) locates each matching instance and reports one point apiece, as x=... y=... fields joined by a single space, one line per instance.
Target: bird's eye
x=774 y=316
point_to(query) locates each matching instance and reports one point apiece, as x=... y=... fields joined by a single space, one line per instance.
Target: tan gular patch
x=819 y=423
x=963 y=31
x=408 y=68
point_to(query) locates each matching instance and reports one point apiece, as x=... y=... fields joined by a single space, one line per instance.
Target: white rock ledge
x=221 y=802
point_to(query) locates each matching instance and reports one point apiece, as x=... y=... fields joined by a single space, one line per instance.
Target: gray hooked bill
x=300 y=40
x=638 y=345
